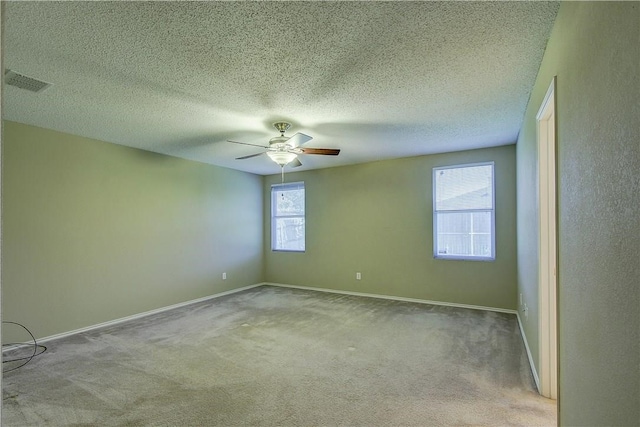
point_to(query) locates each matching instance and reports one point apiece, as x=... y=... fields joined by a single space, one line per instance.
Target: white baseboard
x=526 y=345
x=132 y=317
x=395 y=298
x=221 y=294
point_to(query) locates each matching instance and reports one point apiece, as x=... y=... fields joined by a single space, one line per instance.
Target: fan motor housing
x=279 y=141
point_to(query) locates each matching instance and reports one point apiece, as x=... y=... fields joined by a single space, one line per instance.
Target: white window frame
x=436 y=255
x=274 y=217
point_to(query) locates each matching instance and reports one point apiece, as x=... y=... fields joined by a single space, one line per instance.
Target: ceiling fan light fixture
x=281 y=157
x=284 y=150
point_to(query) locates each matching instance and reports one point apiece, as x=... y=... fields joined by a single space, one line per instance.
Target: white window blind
x=464 y=212
x=288 y=217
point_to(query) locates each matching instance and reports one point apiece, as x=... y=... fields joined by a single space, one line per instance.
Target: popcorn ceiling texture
x=378 y=80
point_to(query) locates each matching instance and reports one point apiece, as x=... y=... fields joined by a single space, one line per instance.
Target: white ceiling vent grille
x=24 y=82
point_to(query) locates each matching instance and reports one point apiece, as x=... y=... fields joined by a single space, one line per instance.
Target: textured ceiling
x=375 y=79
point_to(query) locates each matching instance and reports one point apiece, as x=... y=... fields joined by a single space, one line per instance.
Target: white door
x=546 y=120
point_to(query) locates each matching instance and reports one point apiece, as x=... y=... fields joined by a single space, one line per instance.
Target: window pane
x=289 y=234
x=481 y=222
x=469 y=187
x=482 y=245
x=463 y=204
x=454 y=223
x=463 y=234
x=288 y=217
x=453 y=244
x=289 y=202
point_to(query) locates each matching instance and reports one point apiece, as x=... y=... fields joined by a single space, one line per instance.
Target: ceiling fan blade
x=298 y=139
x=246 y=143
x=324 y=151
x=295 y=163
x=249 y=156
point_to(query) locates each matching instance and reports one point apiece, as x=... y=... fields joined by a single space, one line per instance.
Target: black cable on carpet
x=38 y=349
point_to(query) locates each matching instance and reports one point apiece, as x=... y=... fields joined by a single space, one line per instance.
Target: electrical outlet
x=224 y=276
x=358 y=276
x=520 y=298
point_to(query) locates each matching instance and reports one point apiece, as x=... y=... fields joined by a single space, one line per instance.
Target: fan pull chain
x=282 y=170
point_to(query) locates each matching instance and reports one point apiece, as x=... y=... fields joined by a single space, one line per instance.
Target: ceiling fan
x=284 y=150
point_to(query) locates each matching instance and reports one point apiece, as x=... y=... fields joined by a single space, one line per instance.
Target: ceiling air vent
x=24 y=82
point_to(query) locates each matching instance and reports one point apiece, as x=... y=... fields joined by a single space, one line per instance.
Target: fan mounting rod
x=282 y=127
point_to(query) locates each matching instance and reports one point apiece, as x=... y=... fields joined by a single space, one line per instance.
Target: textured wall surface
x=377 y=219
x=594 y=50
x=95 y=231
x=1 y=144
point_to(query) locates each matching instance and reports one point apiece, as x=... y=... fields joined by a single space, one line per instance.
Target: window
x=463 y=212
x=287 y=217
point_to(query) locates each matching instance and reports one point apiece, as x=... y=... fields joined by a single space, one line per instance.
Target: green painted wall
x=594 y=49
x=94 y=231
x=376 y=218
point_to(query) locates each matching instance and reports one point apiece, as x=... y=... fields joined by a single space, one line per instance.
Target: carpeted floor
x=273 y=356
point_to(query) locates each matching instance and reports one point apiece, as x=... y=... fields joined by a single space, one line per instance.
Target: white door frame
x=547 y=249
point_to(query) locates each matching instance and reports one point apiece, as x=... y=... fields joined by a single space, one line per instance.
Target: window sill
x=463 y=258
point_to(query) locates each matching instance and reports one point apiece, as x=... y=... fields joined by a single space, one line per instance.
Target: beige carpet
x=285 y=357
